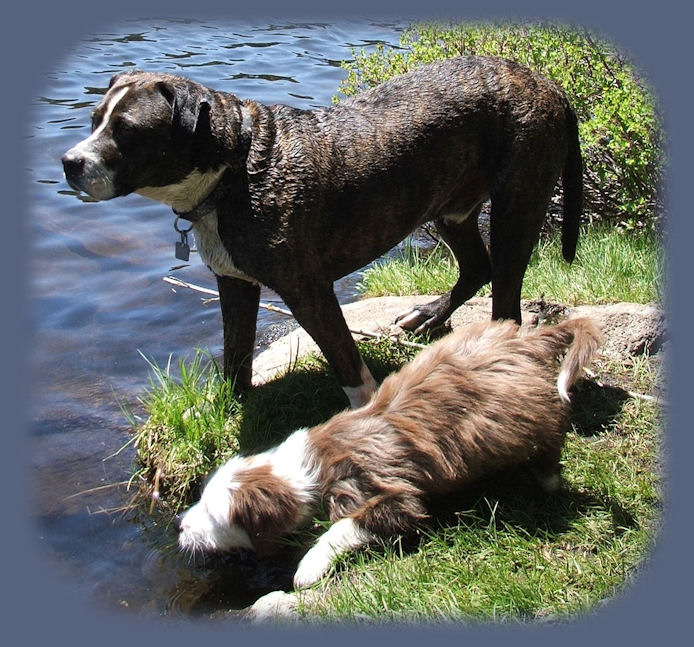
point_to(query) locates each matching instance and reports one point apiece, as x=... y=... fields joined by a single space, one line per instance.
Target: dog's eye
x=121 y=129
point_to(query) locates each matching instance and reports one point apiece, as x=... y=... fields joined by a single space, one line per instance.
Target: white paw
x=416 y=321
x=408 y=318
x=312 y=568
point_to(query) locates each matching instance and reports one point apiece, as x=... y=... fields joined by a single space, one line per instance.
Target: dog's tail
x=580 y=338
x=572 y=185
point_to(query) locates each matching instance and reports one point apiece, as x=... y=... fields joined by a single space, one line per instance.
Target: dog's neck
x=293 y=461
x=199 y=192
x=186 y=195
x=206 y=206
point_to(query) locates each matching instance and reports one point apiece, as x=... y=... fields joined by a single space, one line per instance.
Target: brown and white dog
x=484 y=398
x=295 y=199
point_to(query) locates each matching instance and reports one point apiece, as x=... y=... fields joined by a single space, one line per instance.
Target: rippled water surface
x=98 y=298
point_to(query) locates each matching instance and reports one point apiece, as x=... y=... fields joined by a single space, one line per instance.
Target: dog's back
x=484 y=398
x=494 y=348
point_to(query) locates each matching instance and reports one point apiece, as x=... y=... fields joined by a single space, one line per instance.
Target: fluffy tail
x=572 y=185
x=580 y=338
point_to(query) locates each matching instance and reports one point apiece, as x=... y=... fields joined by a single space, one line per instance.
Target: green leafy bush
x=619 y=125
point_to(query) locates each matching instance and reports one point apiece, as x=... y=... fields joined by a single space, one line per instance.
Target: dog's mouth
x=88 y=175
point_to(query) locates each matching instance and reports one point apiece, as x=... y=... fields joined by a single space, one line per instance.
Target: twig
x=633 y=394
x=97 y=489
x=267 y=306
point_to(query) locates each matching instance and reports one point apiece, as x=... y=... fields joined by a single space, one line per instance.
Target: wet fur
x=309 y=196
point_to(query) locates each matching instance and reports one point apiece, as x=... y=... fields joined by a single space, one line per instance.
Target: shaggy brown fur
x=482 y=399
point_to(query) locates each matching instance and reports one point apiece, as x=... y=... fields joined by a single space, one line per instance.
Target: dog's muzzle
x=85 y=172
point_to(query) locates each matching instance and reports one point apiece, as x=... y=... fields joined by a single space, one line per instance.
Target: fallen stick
x=267 y=306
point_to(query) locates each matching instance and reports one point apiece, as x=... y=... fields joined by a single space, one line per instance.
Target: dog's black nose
x=73 y=164
x=177 y=522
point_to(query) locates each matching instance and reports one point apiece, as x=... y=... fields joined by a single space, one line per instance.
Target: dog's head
x=244 y=505
x=149 y=130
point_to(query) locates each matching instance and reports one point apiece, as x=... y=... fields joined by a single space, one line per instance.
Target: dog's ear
x=115 y=78
x=189 y=111
x=266 y=509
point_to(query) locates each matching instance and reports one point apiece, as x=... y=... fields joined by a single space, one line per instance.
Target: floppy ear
x=114 y=78
x=266 y=509
x=188 y=111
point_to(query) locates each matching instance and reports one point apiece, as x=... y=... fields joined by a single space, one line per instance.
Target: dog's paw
x=419 y=319
x=312 y=568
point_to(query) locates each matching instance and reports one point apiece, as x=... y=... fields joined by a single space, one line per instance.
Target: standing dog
x=483 y=399
x=295 y=199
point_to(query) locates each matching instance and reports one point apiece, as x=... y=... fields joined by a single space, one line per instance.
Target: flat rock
x=630 y=328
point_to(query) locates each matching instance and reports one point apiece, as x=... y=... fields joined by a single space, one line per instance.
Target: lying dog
x=482 y=399
x=295 y=199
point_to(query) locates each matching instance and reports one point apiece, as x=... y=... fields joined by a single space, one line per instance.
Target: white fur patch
x=343 y=536
x=99 y=181
x=360 y=395
x=293 y=461
x=212 y=251
x=206 y=525
x=186 y=194
x=115 y=100
x=562 y=386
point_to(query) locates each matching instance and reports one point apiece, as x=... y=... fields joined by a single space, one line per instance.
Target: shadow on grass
x=306 y=396
x=595 y=407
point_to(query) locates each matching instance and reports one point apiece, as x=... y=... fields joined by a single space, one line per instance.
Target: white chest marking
x=183 y=196
x=212 y=251
x=187 y=193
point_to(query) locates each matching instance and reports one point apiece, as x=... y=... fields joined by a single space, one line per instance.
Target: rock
x=630 y=329
x=274 y=606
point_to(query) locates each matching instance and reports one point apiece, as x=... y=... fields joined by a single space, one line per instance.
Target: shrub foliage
x=619 y=123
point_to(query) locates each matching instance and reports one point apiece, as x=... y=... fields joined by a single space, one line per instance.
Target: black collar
x=208 y=205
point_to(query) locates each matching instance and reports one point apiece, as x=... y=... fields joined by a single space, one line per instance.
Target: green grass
x=500 y=551
x=611 y=265
x=506 y=553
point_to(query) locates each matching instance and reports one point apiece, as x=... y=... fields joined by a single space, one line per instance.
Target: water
x=98 y=298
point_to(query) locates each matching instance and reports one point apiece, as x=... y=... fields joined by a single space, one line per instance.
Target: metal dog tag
x=182 y=248
x=182 y=251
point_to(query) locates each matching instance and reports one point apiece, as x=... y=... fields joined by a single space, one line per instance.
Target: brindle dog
x=295 y=199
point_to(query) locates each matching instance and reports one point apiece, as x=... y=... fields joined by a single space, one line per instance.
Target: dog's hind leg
x=239 y=302
x=317 y=310
x=514 y=229
x=462 y=235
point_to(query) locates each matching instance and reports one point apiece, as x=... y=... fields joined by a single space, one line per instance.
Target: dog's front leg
x=343 y=536
x=318 y=312
x=239 y=302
